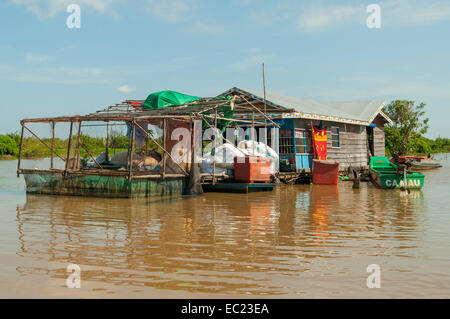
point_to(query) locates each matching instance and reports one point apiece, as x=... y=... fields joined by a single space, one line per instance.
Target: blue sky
x=320 y=50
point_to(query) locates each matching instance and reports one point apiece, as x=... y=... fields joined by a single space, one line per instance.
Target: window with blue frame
x=335 y=139
x=303 y=142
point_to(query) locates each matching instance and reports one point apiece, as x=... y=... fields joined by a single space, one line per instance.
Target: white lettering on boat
x=401 y=183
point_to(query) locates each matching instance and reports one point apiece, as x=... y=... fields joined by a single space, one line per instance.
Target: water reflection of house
x=355 y=129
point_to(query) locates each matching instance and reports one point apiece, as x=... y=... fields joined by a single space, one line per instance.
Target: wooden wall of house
x=353 y=149
x=353 y=145
x=378 y=136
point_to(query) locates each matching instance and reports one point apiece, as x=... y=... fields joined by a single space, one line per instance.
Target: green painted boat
x=387 y=175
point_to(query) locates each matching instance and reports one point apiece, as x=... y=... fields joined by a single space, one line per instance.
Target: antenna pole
x=264 y=86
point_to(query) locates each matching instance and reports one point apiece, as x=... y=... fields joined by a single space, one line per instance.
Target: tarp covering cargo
x=162 y=99
x=224 y=156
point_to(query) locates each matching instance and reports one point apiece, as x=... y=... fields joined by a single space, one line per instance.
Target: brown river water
x=299 y=241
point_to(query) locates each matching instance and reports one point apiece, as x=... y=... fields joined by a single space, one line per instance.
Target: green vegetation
x=405 y=135
x=33 y=148
x=8 y=145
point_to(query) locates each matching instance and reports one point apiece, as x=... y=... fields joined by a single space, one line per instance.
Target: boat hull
x=53 y=183
x=396 y=181
x=420 y=162
x=424 y=166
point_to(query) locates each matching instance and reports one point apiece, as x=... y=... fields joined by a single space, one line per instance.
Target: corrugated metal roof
x=360 y=112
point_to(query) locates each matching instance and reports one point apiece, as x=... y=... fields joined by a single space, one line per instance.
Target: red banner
x=320 y=143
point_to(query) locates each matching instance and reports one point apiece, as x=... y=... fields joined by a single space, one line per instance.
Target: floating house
x=355 y=129
x=355 y=132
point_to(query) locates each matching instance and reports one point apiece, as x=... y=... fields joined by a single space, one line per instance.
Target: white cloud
x=46 y=9
x=393 y=13
x=171 y=11
x=35 y=57
x=126 y=89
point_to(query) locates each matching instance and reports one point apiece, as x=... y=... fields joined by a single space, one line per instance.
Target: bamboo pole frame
x=233 y=120
x=37 y=137
x=265 y=116
x=163 y=149
x=87 y=150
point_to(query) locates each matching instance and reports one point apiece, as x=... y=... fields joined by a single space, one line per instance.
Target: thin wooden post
x=78 y=147
x=264 y=86
x=215 y=145
x=53 y=145
x=20 y=150
x=164 y=146
x=131 y=151
x=107 y=142
x=253 y=131
x=69 y=144
x=265 y=109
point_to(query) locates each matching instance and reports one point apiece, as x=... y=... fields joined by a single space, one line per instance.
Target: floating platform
x=238 y=187
x=54 y=183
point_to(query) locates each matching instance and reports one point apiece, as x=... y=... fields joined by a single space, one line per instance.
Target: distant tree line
x=33 y=148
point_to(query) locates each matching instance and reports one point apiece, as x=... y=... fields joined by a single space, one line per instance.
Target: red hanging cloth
x=319 y=142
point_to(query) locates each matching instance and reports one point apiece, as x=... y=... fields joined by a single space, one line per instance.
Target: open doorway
x=370 y=140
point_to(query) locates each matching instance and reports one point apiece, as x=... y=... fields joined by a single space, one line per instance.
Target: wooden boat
x=420 y=162
x=387 y=175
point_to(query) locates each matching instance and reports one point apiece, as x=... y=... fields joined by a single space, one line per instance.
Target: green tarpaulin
x=162 y=99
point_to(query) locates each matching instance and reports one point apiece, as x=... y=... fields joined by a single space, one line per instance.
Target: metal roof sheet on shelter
x=353 y=112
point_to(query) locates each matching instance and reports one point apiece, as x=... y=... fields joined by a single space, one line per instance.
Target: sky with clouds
x=320 y=50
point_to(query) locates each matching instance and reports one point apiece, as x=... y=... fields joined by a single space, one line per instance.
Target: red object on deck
x=403 y=159
x=250 y=169
x=325 y=172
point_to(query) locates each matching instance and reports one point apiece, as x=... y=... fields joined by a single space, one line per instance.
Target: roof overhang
x=292 y=114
